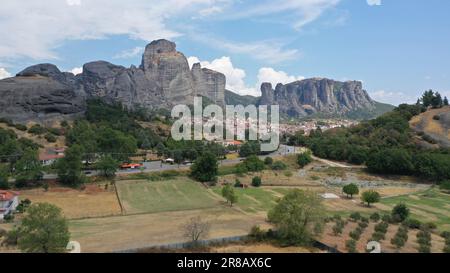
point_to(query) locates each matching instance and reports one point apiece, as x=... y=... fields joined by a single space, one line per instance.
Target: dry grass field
x=261 y=248
x=146 y=230
x=94 y=201
x=439 y=130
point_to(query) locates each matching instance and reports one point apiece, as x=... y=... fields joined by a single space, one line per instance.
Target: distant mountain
x=43 y=93
x=316 y=97
x=164 y=79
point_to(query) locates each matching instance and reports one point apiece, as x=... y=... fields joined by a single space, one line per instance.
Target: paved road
x=155 y=166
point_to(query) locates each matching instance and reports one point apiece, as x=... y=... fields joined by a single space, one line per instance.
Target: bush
x=355 y=235
x=382 y=227
x=268 y=161
x=355 y=216
x=36 y=130
x=50 y=138
x=20 y=127
x=400 y=213
x=378 y=236
x=436 y=117
x=8 y=218
x=398 y=242
x=256 y=181
x=363 y=225
x=424 y=249
x=412 y=223
x=386 y=218
x=375 y=217
x=364 y=219
x=278 y=166
x=304 y=159
x=445 y=185
x=445 y=234
x=350 y=245
x=11 y=238
x=257 y=234
x=237 y=184
x=254 y=164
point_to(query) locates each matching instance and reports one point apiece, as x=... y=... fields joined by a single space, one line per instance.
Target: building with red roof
x=9 y=200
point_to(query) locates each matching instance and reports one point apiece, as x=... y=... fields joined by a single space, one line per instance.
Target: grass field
x=142 y=196
x=427 y=206
x=94 y=201
x=255 y=200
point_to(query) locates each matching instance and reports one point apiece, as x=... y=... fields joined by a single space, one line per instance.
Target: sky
x=397 y=48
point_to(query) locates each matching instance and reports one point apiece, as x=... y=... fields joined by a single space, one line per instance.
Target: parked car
x=131 y=165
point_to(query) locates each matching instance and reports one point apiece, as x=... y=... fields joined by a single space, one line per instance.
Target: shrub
x=20 y=127
x=363 y=225
x=278 y=166
x=304 y=159
x=355 y=235
x=350 y=245
x=445 y=234
x=364 y=219
x=424 y=249
x=254 y=164
x=256 y=181
x=382 y=227
x=268 y=161
x=398 y=242
x=412 y=223
x=11 y=238
x=375 y=217
x=386 y=218
x=36 y=130
x=257 y=234
x=237 y=183
x=50 y=138
x=400 y=213
x=436 y=117
x=445 y=185
x=355 y=216
x=378 y=236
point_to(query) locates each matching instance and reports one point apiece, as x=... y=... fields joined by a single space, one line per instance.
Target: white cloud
x=236 y=76
x=301 y=12
x=76 y=70
x=34 y=29
x=374 y=2
x=395 y=98
x=129 y=53
x=4 y=73
x=268 y=74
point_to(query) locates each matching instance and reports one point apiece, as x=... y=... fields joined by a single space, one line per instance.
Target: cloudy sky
x=398 y=48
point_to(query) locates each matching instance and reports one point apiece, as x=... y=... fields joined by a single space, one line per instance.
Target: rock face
x=40 y=93
x=310 y=96
x=163 y=80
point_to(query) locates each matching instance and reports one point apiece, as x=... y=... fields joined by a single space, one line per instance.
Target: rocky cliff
x=163 y=80
x=317 y=95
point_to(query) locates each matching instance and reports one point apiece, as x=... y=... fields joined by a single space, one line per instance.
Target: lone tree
x=107 y=166
x=69 y=167
x=304 y=159
x=195 y=229
x=43 y=230
x=205 y=168
x=370 y=197
x=400 y=213
x=229 y=194
x=28 y=168
x=350 y=190
x=296 y=216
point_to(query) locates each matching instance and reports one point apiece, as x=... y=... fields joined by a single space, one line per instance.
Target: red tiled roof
x=7 y=195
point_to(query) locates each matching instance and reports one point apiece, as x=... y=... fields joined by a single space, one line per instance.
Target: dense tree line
x=385 y=144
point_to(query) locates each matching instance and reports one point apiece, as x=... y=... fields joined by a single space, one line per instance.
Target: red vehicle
x=131 y=165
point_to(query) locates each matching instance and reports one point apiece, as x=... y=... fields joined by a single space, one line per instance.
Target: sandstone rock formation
x=317 y=95
x=163 y=80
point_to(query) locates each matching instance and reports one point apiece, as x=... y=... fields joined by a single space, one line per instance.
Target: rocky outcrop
x=163 y=80
x=40 y=93
x=317 y=95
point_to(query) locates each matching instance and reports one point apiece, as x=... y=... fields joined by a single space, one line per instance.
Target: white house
x=9 y=201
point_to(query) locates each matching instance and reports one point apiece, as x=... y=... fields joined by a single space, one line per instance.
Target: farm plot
x=142 y=196
x=427 y=206
x=93 y=201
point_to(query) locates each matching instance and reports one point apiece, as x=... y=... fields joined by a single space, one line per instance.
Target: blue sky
x=398 y=48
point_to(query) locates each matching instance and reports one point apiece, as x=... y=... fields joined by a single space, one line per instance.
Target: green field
x=428 y=206
x=142 y=196
x=256 y=199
